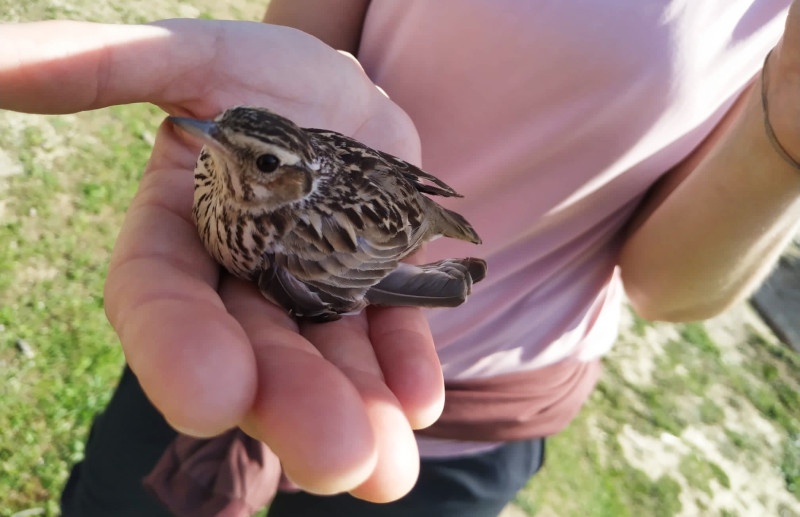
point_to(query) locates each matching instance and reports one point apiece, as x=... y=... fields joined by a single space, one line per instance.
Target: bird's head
x=261 y=159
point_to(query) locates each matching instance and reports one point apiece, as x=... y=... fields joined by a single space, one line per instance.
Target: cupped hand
x=337 y=401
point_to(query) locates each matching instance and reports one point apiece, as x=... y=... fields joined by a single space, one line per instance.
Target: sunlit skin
x=336 y=402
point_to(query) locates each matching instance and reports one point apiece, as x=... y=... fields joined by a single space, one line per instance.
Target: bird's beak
x=206 y=130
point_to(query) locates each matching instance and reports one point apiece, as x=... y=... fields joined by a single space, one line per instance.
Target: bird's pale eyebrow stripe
x=280 y=139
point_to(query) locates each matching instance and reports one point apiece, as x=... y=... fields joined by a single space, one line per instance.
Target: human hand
x=336 y=402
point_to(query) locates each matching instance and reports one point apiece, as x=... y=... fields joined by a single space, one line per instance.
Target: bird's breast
x=237 y=238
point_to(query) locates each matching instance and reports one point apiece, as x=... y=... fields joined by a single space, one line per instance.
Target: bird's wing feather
x=442 y=284
x=330 y=270
x=282 y=287
x=421 y=180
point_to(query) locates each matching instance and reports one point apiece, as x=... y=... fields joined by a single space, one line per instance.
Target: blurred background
x=695 y=419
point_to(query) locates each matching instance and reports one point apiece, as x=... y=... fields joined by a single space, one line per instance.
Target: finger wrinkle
x=284 y=339
x=206 y=271
x=119 y=316
x=128 y=288
x=153 y=190
x=347 y=349
x=196 y=51
x=254 y=311
x=334 y=335
x=358 y=372
x=398 y=334
x=181 y=250
x=102 y=75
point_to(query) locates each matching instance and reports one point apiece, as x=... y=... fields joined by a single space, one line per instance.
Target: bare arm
x=340 y=28
x=710 y=230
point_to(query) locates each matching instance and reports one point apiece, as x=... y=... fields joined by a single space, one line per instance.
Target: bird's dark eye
x=267 y=163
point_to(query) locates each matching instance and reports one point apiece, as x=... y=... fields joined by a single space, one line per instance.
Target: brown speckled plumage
x=321 y=221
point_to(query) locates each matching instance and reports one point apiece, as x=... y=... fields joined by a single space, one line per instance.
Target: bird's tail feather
x=446 y=283
x=454 y=225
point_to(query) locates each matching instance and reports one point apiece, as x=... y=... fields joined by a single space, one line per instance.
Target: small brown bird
x=320 y=221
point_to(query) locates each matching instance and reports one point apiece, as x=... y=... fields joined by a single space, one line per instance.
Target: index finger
x=80 y=68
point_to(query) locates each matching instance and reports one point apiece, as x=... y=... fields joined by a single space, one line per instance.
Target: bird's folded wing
x=324 y=266
x=443 y=284
x=422 y=181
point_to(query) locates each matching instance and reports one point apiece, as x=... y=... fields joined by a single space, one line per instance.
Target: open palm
x=336 y=402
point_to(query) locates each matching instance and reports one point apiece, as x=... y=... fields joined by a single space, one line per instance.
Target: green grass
x=62 y=217
x=61 y=211
x=790 y=464
x=584 y=476
x=587 y=473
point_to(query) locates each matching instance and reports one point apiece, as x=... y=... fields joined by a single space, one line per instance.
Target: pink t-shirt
x=553 y=119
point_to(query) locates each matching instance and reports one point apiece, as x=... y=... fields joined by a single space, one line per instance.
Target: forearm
x=710 y=232
x=339 y=27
